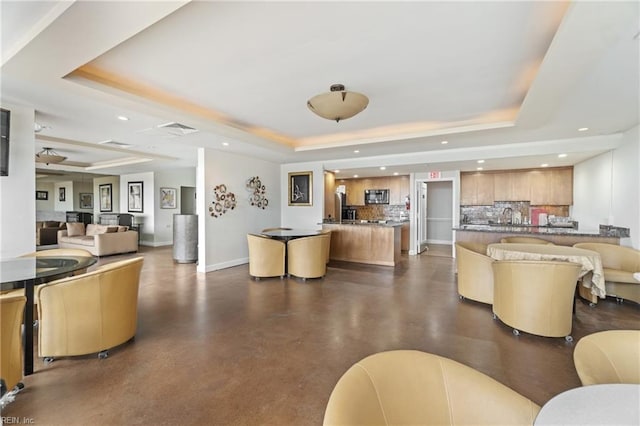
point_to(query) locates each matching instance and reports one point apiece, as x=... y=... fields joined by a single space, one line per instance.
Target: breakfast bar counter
x=375 y=243
x=489 y=234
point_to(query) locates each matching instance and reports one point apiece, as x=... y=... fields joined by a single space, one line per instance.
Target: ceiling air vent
x=111 y=142
x=177 y=129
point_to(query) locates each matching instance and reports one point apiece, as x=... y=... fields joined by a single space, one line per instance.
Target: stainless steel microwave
x=376 y=196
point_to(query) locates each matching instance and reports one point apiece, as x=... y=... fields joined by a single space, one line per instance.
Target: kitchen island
x=376 y=243
x=489 y=234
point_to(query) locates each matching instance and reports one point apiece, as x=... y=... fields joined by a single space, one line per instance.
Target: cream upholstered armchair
x=11 y=314
x=306 y=257
x=608 y=357
x=266 y=257
x=619 y=264
x=89 y=313
x=525 y=240
x=535 y=296
x=475 y=275
x=418 y=388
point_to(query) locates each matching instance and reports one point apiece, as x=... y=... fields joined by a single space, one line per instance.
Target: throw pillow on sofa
x=75 y=229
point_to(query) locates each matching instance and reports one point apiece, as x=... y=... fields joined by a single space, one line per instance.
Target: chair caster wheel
x=494 y=316
x=568 y=339
x=516 y=332
x=48 y=359
x=619 y=300
x=103 y=354
x=19 y=386
x=592 y=305
x=461 y=297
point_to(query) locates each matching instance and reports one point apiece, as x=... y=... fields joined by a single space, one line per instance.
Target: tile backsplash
x=497 y=213
x=382 y=211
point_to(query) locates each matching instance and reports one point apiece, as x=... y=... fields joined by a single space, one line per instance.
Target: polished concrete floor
x=221 y=348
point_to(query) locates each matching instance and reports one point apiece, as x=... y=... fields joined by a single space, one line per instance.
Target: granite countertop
x=385 y=223
x=536 y=230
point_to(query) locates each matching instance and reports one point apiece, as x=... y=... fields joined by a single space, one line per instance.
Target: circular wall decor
x=257 y=197
x=223 y=201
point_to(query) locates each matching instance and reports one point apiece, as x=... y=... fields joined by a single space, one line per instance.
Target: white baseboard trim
x=225 y=265
x=155 y=243
x=439 y=242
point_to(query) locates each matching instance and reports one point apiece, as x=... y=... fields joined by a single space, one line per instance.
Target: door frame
x=455 y=207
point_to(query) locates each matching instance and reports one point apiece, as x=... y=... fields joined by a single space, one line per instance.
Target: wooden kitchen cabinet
x=552 y=187
x=476 y=189
x=404 y=237
x=512 y=186
x=398 y=187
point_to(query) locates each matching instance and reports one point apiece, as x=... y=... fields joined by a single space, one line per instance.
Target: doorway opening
x=434 y=217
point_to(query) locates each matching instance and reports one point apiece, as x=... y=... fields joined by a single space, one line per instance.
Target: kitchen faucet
x=510 y=210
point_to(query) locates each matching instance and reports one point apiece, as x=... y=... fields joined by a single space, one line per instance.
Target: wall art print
x=223 y=201
x=168 y=198
x=257 y=197
x=135 y=196
x=300 y=189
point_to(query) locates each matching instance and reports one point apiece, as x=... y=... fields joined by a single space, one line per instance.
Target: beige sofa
x=99 y=240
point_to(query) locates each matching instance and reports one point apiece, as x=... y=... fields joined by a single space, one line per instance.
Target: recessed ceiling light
x=562 y=155
x=480 y=161
x=355 y=151
x=396 y=173
x=383 y=168
x=444 y=142
x=355 y=175
x=479 y=168
x=336 y=171
x=123 y=118
x=225 y=143
x=583 y=129
x=544 y=165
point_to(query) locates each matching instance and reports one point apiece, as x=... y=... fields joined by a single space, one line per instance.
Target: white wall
x=164 y=217
x=223 y=240
x=606 y=189
x=148 y=202
x=17 y=191
x=67 y=204
x=307 y=217
x=439 y=212
x=82 y=187
x=45 y=205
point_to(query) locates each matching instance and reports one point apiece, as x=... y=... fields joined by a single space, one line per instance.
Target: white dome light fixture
x=48 y=155
x=338 y=104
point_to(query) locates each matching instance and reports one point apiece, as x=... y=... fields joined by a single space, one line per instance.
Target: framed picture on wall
x=105 y=197
x=86 y=200
x=134 y=196
x=62 y=194
x=168 y=198
x=42 y=195
x=301 y=188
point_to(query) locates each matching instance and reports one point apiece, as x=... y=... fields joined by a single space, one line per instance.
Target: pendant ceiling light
x=48 y=155
x=338 y=104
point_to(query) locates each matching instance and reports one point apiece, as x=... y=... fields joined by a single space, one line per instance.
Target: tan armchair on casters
x=306 y=257
x=619 y=264
x=266 y=257
x=418 y=388
x=608 y=357
x=475 y=275
x=11 y=314
x=525 y=240
x=535 y=296
x=89 y=313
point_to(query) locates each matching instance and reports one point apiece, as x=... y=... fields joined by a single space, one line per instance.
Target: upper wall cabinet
x=551 y=187
x=398 y=187
x=476 y=189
